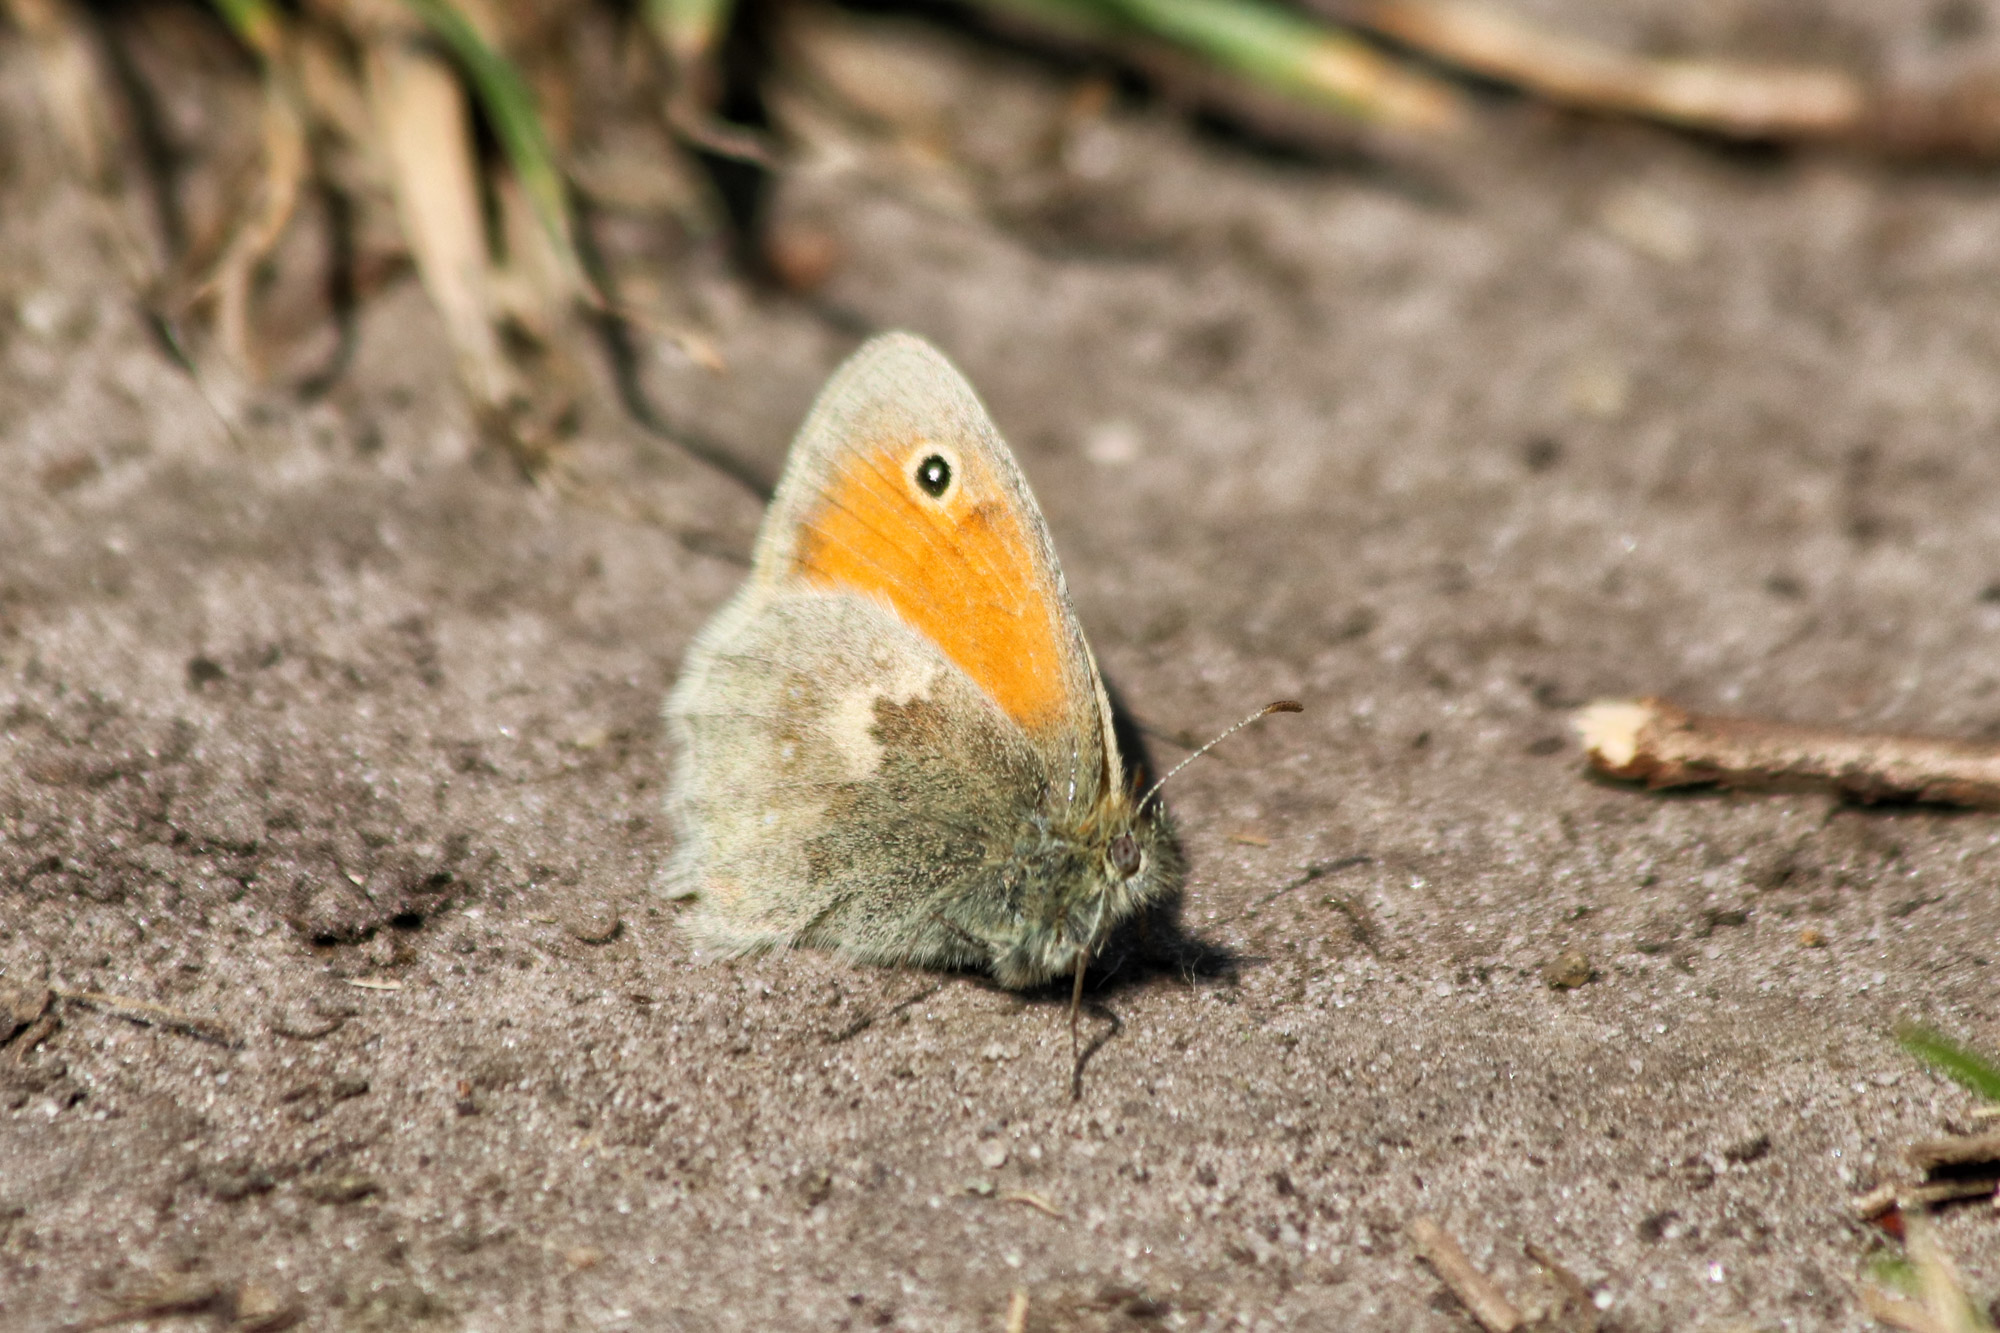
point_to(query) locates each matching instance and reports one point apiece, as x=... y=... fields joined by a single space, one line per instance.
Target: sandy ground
x=340 y=739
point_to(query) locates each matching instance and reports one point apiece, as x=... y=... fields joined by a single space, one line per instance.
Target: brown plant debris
x=1663 y=745
x=1578 y=1312
x=421 y=117
x=1959 y=1167
x=240 y=1307
x=1479 y=1294
x=20 y=1008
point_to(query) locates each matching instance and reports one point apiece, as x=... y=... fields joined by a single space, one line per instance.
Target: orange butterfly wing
x=962 y=570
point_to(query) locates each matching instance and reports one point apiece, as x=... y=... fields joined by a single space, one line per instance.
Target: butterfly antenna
x=1281 y=706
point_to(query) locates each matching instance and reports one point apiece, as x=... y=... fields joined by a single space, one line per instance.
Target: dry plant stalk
x=1722 y=97
x=224 y=269
x=1658 y=743
x=1942 y=1289
x=420 y=119
x=1475 y=1291
x=72 y=90
x=1971 y=1150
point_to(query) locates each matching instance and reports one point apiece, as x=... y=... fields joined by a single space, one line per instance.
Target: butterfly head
x=1070 y=883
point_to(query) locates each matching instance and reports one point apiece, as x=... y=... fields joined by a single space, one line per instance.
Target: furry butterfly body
x=894 y=742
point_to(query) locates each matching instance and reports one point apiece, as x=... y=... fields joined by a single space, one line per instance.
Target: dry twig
x=1895 y=1197
x=1034 y=1201
x=1475 y=1291
x=148 y=1014
x=223 y=270
x=1875 y=1203
x=1969 y=1150
x=243 y=1308
x=1017 y=1311
x=1949 y=1155
x=1663 y=745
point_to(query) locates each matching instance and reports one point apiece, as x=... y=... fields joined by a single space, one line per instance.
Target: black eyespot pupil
x=934 y=475
x=1125 y=855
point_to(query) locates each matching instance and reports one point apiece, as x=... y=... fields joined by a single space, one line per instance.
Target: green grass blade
x=1080 y=20
x=688 y=29
x=510 y=109
x=254 y=22
x=1952 y=1060
x=1292 y=53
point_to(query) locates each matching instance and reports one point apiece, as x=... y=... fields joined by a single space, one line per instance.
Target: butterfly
x=893 y=742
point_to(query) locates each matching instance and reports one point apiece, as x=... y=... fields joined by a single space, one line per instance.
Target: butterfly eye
x=934 y=475
x=1126 y=858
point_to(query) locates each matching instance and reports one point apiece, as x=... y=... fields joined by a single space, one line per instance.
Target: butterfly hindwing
x=842 y=782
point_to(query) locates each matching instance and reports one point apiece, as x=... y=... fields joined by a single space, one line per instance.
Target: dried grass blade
x=1942 y=1289
x=1478 y=1293
x=1896 y=1312
x=420 y=122
x=72 y=90
x=510 y=109
x=1722 y=97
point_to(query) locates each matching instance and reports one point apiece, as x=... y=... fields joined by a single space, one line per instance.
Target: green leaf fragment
x=1951 y=1059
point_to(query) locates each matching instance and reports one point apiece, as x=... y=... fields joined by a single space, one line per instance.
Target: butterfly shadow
x=1157 y=941
x=1153 y=944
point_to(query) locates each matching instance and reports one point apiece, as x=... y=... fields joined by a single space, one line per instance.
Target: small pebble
x=992 y=1154
x=594 y=923
x=1567 y=971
